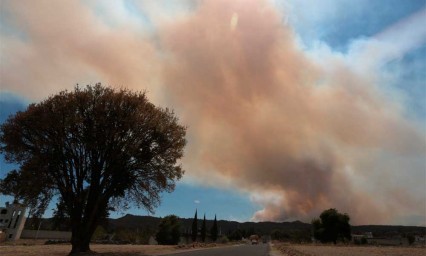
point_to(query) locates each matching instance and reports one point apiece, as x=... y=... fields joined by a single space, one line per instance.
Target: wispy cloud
x=393 y=43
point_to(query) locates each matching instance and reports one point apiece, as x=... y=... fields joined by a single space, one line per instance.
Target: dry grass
x=330 y=250
x=38 y=248
x=100 y=249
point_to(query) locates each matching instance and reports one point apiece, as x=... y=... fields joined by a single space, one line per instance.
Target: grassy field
x=35 y=249
x=329 y=250
x=102 y=250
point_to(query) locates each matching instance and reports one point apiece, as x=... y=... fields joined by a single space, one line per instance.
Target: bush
x=224 y=240
x=99 y=234
x=361 y=241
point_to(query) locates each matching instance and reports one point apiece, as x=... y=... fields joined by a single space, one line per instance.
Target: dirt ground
x=38 y=248
x=330 y=250
x=101 y=249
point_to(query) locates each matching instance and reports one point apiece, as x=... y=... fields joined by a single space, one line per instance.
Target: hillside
x=132 y=221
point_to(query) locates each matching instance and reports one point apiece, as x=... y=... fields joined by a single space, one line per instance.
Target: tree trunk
x=80 y=240
x=82 y=232
x=80 y=247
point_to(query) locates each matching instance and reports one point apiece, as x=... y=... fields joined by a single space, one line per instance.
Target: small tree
x=203 y=229
x=169 y=230
x=32 y=194
x=95 y=147
x=317 y=229
x=214 y=230
x=331 y=226
x=194 y=227
x=60 y=218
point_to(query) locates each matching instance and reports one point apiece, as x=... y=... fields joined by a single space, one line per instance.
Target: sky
x=292 y=107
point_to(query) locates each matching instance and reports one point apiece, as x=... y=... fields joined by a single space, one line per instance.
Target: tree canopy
x=194 y=232
x=203 y=230
x=214 y=230
x=332 y=226
x=168 y=230
x=95 y=147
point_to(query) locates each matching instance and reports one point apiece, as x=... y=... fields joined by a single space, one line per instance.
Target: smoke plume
x=297 y=133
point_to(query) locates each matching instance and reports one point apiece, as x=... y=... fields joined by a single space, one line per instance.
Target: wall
x=46 y=234
x=388 y=241
x=12 y=218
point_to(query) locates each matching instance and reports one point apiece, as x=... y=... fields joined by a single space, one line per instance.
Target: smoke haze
x=297 y=131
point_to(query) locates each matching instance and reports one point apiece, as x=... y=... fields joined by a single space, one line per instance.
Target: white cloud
x=366 y=55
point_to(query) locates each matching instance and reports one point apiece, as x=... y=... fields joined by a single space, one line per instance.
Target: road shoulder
x=274 y=251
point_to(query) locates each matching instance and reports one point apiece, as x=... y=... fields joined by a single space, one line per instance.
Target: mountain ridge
x=227 y=226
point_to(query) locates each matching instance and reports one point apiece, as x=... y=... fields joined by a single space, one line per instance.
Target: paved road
x=239 y=250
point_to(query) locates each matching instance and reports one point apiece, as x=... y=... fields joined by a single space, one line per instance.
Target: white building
x=12 y=220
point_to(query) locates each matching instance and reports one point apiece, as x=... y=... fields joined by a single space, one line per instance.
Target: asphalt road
x=238 y=250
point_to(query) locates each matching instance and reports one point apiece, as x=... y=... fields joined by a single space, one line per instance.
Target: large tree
x=332 y=226
x=95 y=147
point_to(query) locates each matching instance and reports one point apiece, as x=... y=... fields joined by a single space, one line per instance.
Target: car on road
x=254 y=239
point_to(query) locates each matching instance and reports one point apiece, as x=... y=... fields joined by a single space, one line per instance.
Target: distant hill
x=263 y=228
x=133 y=221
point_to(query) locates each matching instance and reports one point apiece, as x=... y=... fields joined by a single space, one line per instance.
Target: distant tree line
x=202 y=232
x=331 y=226
x=298 y=236
x=169 y=230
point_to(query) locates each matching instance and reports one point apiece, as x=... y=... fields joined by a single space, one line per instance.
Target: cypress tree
x=213 y=231
x=194 y=227
x=203 y=229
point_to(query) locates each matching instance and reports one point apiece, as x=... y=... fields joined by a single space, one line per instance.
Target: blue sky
x=182 y=202
x=226 y=204
x=337 y=23
x=289 y=104
x=187 y=197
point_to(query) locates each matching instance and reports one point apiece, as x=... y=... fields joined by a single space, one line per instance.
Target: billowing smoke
x=298 y=132
x=276 y=124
